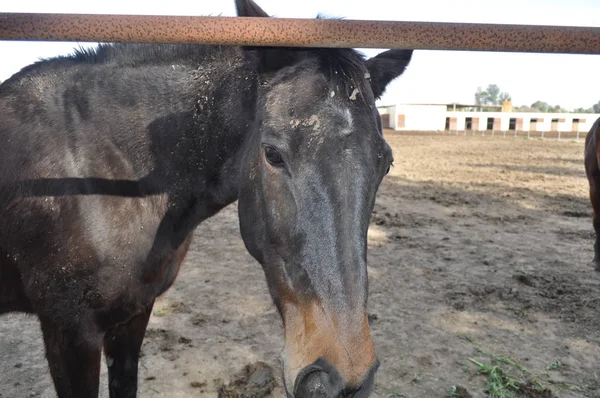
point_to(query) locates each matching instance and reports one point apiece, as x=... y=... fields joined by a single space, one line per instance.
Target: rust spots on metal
x=299 y=32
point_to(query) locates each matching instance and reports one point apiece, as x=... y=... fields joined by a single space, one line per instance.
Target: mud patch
x=460 y=392
x=571 y=300
x=576 y=214
x=530 y=390
x=388 y=219
x=254 y=381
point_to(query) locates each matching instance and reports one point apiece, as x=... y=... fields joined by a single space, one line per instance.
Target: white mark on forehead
x=332 y=94
x=344 y=114
x=348 y=117
x=354 y=93
x=367 y=75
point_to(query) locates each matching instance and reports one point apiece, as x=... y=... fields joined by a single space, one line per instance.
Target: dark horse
x=592 y=170
x=110 y=158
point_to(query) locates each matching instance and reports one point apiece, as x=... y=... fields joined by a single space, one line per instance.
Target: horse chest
x=171 y=265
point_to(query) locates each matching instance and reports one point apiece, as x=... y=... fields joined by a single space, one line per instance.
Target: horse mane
x=132 y=54
x=344 y=67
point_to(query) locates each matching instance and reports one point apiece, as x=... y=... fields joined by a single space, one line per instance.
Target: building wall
x=387 y=114
x=415 y=117
x=523 y=121
x=424 y=117
x=434 y=118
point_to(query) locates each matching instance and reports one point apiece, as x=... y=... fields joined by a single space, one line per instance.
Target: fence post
x=528 y=134
x=558 y=137
x=577 y=135
x=542 y=134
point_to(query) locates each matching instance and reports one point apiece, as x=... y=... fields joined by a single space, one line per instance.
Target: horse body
x=107 y=168
x=101 y=166
x=112 y=157
x=592 y=170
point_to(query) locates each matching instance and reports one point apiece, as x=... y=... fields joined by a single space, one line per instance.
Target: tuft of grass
x=554 y=365
x=507 y=378
x=416 y=378
x=468 y=338
x=464 y=368
x=500 y=383
x=453 y=392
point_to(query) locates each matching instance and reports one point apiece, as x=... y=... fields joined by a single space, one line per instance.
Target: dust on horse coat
x=111 y=157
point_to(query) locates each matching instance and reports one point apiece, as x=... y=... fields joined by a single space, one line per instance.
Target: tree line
x=492 y=95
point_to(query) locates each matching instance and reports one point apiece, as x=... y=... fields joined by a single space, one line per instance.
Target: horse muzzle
x=322 y=380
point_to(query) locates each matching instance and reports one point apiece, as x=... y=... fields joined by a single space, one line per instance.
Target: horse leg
x=122 y=346
x=73 y=355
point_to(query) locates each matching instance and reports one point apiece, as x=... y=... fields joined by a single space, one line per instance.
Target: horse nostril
x=365 y=389
x=315 y=384
x=319 y=380
x=322 y=380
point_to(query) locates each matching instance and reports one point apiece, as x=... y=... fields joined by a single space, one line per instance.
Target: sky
x=571 y=81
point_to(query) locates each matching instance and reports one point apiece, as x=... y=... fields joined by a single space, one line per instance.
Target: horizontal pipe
x=299 y=32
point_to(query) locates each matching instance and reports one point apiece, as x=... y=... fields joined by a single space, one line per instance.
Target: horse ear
x=265 y=59
x=248 y=8
x=385 y=67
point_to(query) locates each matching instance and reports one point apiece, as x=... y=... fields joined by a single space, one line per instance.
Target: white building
x=456 y=117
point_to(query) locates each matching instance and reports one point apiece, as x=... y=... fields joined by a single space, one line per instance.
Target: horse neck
x=225 y=109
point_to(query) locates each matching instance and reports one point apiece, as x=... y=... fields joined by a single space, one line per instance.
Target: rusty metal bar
x=299 y=32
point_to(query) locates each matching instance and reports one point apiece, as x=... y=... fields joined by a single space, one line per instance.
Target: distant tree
x=490 y=96
x=556 y=109
x=480 y=96
x=524 y=108
x=504 y=97
x=583 y=110
x=493 y=93
x=540 y=106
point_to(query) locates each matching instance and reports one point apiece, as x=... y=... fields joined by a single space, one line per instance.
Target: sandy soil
x=479 y=247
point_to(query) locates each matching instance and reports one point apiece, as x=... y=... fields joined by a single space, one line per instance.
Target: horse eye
x=273 y=156
x=388 y=168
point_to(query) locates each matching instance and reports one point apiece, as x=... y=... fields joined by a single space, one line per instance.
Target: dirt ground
x=479 y=251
